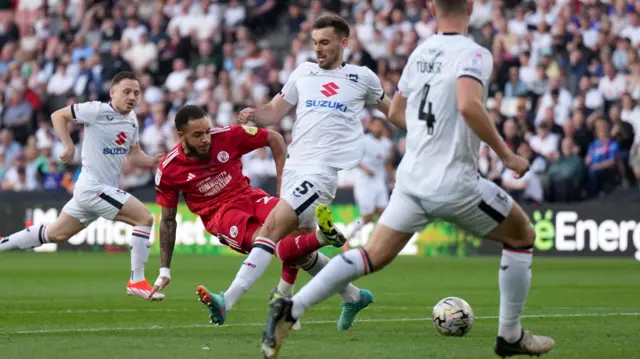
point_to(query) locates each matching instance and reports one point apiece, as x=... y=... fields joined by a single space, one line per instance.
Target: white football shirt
x=441 y=159
x=376 y=154
x=327 y=131
x=108 y=135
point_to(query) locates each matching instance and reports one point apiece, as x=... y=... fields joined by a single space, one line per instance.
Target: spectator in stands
x=510 y=134
x=10 y=149
x=527 y=187
x=19 y=177
x=17 y=115
x=515 y=87
x=52 y=179
x=612 y=86
x=565 y=173
x=545 y=142
x=622 y=133
x=602 y=159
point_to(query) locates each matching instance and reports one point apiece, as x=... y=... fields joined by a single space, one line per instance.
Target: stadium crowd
x=565 y=90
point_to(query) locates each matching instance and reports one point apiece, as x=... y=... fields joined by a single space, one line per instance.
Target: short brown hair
x=451 y=7
x=124 y=75
x=338 y=24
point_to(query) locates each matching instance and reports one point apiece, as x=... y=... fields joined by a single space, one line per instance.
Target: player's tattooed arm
x=168 y=226
x=275 y=141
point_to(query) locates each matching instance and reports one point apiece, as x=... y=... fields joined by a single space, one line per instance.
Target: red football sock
x=291 y=248
x=289 y=273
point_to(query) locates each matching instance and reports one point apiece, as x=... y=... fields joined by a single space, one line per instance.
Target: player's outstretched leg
x=517 y=236
x=281 y=221
x=384 y=246
x=136 y=214
x=63 y=228
x=353 y=299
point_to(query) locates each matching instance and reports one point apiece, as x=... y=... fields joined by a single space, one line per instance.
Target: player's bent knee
x=515 y=231
x=281 y=221
x=146 y=219
x=530 y=238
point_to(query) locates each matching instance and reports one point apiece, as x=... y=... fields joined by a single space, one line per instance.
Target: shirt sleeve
x=375 y=92
x=477 y=64
x=404 y=85
x=166 y=195
x=85 y=112
x=249 y=138
x=289 y=91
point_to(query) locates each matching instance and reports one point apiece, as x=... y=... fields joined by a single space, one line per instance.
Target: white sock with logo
x=28 y=238
x=252 y=268
x=349 y=294
x=514 y=278
x=139 y=252
x=341 y=270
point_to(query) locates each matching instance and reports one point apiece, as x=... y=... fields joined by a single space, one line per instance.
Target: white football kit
x=371 y=192
x=327 y=135
x=108 y=135
x=438 y=175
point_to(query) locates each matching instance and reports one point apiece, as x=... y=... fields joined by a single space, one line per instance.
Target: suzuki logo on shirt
x=329 y=89
x=121 y=140
x=122 y=137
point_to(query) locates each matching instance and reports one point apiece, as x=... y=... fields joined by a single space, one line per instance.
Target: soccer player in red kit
x=206 y=167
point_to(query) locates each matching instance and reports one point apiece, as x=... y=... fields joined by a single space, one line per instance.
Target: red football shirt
x=206 y=185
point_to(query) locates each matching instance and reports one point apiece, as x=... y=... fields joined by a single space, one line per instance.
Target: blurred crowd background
x=564 y=92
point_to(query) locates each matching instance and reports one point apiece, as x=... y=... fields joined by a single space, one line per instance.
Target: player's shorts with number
x=305 y=187
x=234 y=223
x=479 y=213
x=93 y=199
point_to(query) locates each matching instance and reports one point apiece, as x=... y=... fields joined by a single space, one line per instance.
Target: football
x=452 y=317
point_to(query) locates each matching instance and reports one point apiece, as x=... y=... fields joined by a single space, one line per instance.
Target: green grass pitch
x=73 y=305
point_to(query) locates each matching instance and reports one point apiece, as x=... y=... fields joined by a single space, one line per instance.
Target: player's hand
x=156 y=159
x=246 y=115
x=517 y=164
x=67 y=156
x=163 y=280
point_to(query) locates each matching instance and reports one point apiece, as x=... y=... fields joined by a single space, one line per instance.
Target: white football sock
x=139 y=252
x=514 y=278
x=349 y=294
x=336 y=275
x=252 y=268
x=31 y=237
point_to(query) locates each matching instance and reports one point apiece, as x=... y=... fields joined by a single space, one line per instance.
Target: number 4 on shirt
x=428 y=116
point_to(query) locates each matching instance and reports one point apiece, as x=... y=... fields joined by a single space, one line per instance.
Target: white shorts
x=304 y=188
x=370 y=195
x=479 y=213
x=93 y=199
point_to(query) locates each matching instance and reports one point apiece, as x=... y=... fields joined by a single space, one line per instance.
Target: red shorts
x=235 y=223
